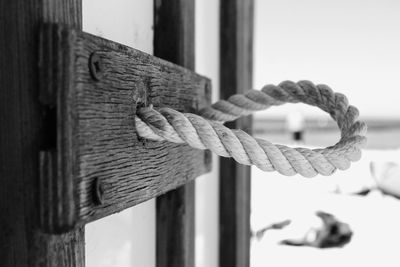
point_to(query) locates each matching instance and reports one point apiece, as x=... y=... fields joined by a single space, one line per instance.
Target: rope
x=206 y=131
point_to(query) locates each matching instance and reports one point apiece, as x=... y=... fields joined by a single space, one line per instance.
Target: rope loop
x=206 y=131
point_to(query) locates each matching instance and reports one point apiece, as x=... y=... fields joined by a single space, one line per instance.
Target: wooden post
x=106 y=167
x=236 y=52
x=174 y=41
x=24 y=131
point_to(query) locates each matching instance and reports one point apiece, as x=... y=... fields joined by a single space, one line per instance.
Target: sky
x=351 y=45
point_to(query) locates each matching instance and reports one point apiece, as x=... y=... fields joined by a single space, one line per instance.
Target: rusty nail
x=98 y=192
x=95 y=66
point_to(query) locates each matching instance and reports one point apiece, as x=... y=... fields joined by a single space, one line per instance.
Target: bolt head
x=96 y=67
x=98 y=192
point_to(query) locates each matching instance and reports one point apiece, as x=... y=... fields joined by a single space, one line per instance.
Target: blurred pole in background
x=295 y=126
x=236 y=76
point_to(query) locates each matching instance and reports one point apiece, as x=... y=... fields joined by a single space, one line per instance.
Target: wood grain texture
x=236 y=55
x=24 y=124
x=96 y=136
x=57 y=195
x=61 y=250
x=174 y=31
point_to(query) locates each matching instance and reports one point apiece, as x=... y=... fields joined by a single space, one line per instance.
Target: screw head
x=96 y=67
x=98 y=192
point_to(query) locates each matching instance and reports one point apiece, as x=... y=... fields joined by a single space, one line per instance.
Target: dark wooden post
x=24 y=133
x=236 y=53
x=174 y=41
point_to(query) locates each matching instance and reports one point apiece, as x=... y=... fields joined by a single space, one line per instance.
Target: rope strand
x=205 y=131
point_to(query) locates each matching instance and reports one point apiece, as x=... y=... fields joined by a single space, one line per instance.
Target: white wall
x=113 y=241
x=207 y=186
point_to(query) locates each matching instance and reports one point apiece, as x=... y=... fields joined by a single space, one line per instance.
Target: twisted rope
x=207 y=132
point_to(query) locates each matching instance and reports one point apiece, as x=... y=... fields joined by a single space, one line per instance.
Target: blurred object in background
x=295 y=125
x=387 y=177
x=259 y=234
x=320 y=230
x=329 y=234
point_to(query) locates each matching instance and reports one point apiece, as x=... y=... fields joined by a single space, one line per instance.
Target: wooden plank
x=103 y=166
x=23 y=134
x=174 y=41
x=236 y=41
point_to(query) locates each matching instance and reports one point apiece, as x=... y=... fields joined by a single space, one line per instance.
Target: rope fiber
x=206 y=131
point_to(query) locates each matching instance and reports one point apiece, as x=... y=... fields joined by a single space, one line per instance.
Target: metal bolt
x=98 y=192
x=96 y=66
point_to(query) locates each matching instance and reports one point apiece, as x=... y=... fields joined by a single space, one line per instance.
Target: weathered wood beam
x=101 y=166
x=23 y=134
x=236 y=64
x=174 y=29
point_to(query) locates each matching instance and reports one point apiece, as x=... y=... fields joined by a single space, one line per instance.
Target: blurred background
x=352 y=46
